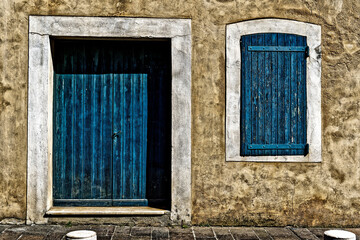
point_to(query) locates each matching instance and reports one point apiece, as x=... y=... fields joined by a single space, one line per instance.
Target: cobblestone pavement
x=111 y=232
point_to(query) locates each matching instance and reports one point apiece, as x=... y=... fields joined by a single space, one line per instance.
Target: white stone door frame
x=40 y=100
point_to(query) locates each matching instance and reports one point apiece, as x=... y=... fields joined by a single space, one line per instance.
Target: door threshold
x=106 y=211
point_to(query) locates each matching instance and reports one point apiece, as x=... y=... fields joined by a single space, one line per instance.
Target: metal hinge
x=307 y=54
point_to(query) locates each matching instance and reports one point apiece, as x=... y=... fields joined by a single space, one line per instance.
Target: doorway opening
x=112 y=122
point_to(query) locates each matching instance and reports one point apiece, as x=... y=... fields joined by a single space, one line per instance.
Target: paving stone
x=55 y=236
x=243 y=233
x=262 y=234
x=140 y=231
x=182 y=237
x=120 y=238
x=26 y=236
x=33 y=229
x=9 y=235
x=160 y=233
x=203 y=233
x=222 y=233
x=104 y=237
x=103 y=230
x=304 y=233
x=122 y=230
x=3 y=227
x=281 y=234
x=178 y=233
x=318 y=232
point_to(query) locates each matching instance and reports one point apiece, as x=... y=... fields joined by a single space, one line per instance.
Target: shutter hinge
x=306 y=149
x=307 y=52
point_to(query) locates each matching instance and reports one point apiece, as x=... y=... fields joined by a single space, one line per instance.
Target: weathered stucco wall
x=326 y=193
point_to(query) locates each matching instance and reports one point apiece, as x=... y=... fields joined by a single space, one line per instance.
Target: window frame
x=234 y=32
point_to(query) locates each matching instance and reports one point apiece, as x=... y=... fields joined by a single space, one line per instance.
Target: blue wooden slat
x=106 y=136
x=118 y=146
x=254 y=94
x=68 y=135
x=78 y=135
x=83 y=137
x=268 y=80
x=281 y=93
x=276 y=146
x=261 y=98
x=303 y=99
x=266 y=48
x=57 y=133
x=88 y=137
x=287 y=98
x=274 y=93
x=293 y=93
x=248 y=84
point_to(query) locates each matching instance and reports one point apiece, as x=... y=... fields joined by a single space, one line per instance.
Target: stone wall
x=234 y=193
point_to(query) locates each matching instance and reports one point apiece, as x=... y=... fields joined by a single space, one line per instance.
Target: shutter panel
x=273 y=94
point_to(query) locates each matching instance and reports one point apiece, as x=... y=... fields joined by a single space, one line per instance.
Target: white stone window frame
x=40 y=100
x=234 y=32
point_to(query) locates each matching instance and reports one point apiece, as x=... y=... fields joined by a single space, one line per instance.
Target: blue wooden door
x=273 y=94
x=100 y=139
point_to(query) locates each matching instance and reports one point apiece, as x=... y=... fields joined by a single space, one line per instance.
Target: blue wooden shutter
x=273 y=94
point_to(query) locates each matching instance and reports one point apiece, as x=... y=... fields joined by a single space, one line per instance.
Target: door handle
x=116 y=134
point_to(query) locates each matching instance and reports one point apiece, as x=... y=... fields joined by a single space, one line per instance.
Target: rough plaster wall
x=223 y=192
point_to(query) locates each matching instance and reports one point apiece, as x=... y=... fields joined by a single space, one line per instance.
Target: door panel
x=130 y=139
x=82 y=136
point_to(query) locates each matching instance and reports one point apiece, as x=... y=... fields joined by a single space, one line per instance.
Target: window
x=273 y=93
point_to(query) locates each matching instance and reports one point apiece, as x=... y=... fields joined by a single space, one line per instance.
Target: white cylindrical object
x=339 y=234
x=81 y=234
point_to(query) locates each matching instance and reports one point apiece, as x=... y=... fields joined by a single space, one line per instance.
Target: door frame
x=40 y=100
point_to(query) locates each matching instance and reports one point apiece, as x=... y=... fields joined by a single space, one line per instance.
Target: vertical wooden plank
x=268 y=80
x=58 y=135
x=88 y=137
x=255 y=94
x=261 y=94
x=117 y=147
x=293 y=92
x=78 y=135
x=144 y=111
x=274 y=93
x=247 y=107
x=303 y=99
x=106 y=136
x=68 y=135
x=281 y=123
x=287 y=109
